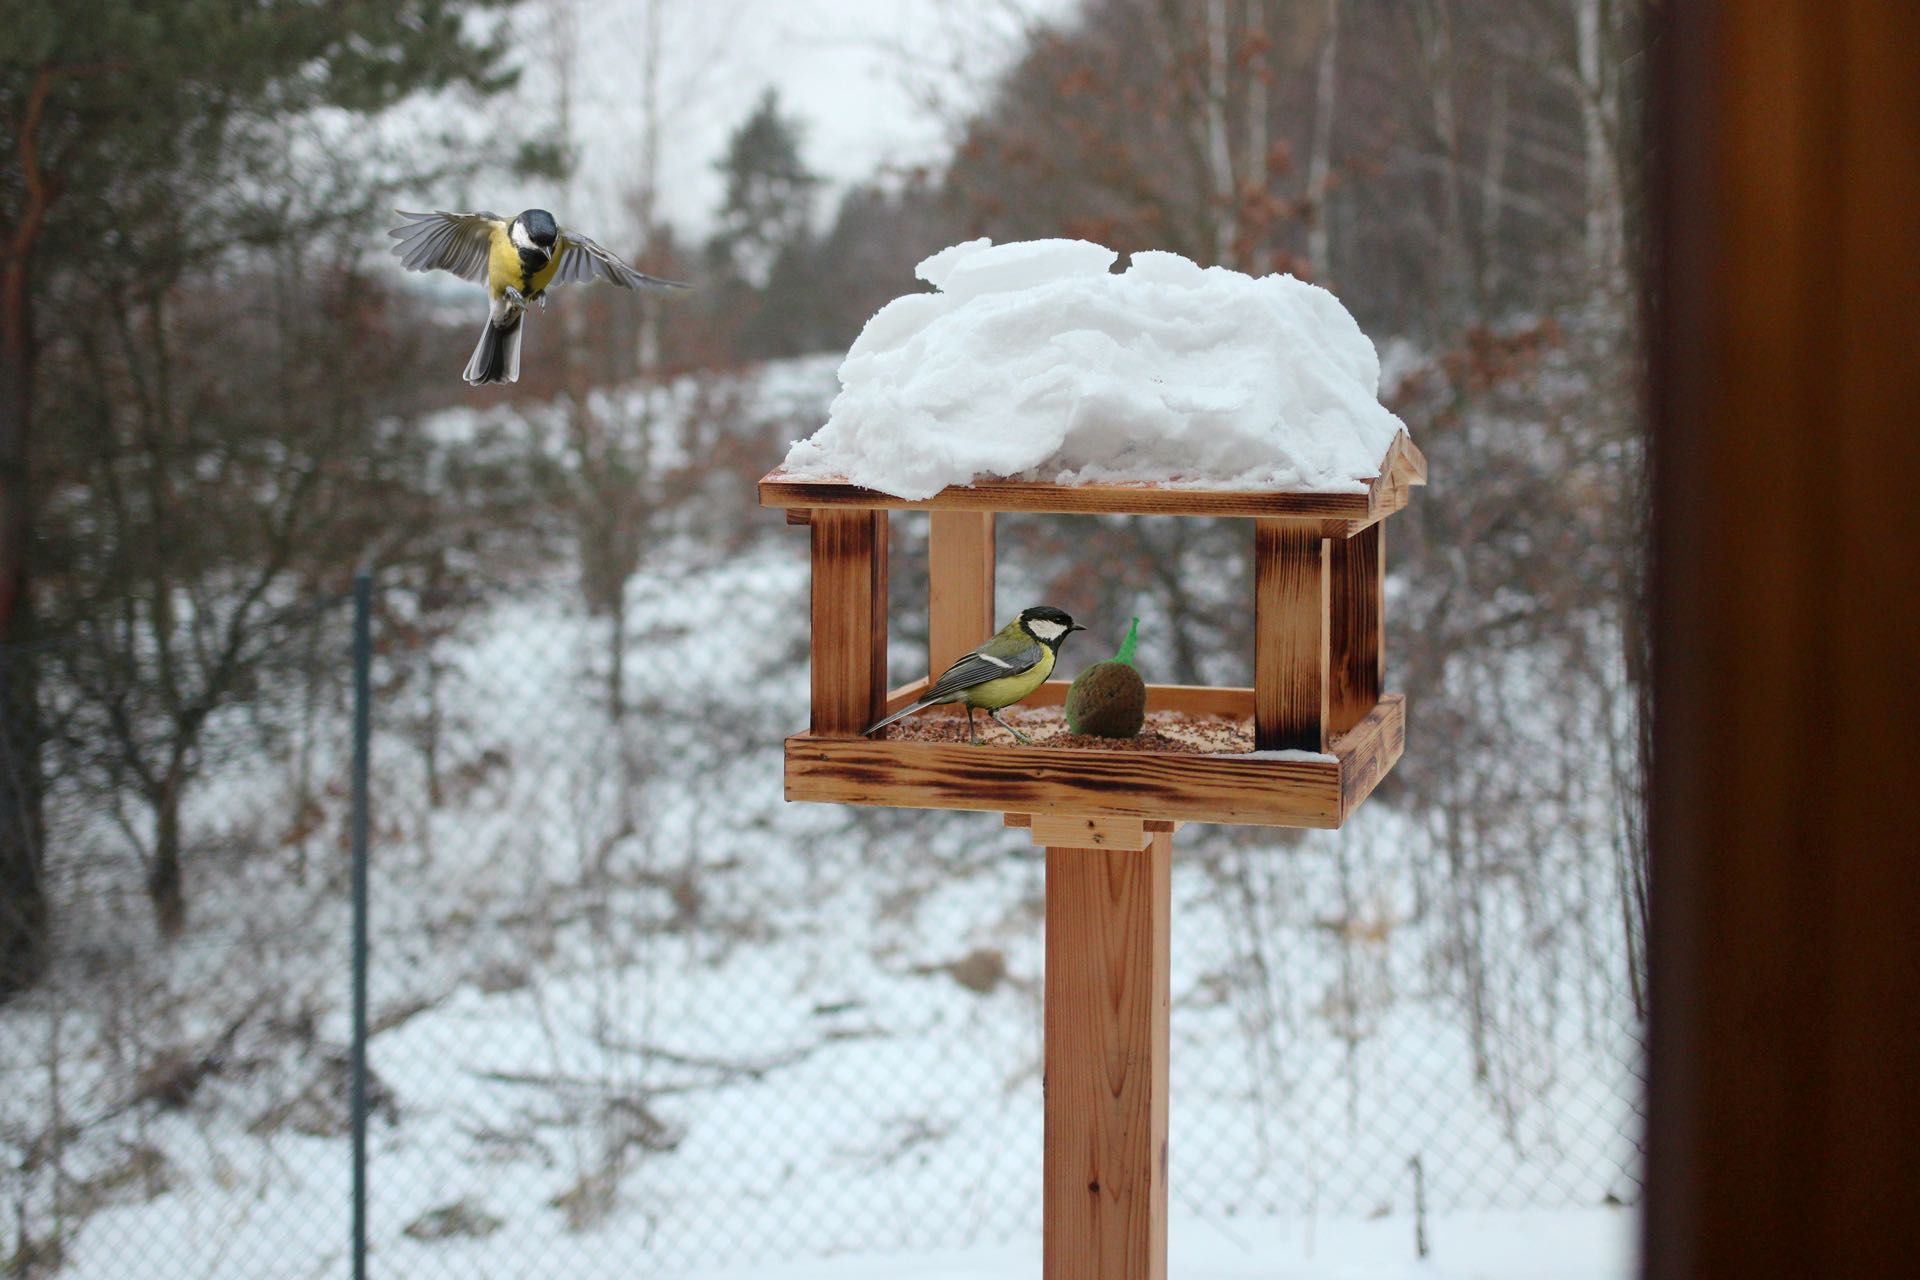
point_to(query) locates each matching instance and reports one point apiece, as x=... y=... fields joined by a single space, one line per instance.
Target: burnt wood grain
x=1291 y=643
x=1356 y=626
x=1251 y=789
x=849 y=603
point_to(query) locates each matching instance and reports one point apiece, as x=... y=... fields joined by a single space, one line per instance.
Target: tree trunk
x=1435 y=23
x=165 y=888
x=617 y=659
x=1258 y=234
x=1493 y=177
x=23 y=901
x=24 y=913
x=1599 y=123
x=1226 y=223
x=1320 y=160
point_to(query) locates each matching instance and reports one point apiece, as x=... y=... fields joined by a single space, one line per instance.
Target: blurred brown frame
x=1784 y=1109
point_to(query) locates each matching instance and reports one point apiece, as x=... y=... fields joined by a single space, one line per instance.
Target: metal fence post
x=362 y=735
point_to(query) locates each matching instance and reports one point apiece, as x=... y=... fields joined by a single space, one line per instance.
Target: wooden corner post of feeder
x=1325 y=733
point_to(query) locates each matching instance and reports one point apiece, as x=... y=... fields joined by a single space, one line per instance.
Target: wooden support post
x=849 y=619
x=1357 y=569
x=1105 y=1199
x=959 y=585
x=1290 y=653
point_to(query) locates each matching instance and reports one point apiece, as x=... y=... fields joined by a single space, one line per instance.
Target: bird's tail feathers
x=497 y=357
x=901 y=714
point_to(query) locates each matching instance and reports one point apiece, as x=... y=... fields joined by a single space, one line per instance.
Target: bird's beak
x=1073 y=627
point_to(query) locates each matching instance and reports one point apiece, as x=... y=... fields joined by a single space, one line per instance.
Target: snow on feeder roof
x=1035 y=361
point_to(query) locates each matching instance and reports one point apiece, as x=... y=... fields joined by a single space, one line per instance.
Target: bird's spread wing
x=456 y=242
x=977 y=668
x=582 y=261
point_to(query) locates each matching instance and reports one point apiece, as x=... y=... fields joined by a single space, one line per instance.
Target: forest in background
x=213 y=376
x=218 y=400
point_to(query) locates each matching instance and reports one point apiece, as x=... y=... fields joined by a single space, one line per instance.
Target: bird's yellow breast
x=505 y=268
x=1007 y=690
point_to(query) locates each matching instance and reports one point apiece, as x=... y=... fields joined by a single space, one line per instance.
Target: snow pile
x=1034 y=360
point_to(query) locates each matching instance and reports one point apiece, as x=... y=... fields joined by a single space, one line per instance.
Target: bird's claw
x=515 y=299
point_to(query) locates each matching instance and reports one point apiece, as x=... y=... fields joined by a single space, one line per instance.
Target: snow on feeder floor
x=1037 y=379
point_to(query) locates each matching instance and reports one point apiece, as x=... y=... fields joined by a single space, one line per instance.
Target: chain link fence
x=630 y=1013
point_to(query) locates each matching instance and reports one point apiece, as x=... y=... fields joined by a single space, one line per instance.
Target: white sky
x=875 y=82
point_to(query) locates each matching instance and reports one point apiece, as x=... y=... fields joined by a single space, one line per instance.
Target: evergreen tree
x=770 y=193
x=766 y=283
x=148 y=150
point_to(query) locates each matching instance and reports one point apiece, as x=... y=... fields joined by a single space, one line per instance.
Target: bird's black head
x=1047 y=624
x=540 y=228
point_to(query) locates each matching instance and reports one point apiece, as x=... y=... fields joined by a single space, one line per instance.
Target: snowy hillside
x=635 y=1015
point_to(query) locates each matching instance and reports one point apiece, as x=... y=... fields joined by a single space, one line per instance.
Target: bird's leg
x=516 y=299
x=1010 y=729
x=973 y=739
x=541 y=298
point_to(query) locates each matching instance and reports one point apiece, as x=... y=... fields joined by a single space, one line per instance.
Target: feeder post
x=1291 y=637
x=1107 y=997
x=959 y=585
x=849 y=619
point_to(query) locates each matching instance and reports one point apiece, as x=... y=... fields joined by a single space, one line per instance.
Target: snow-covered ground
x=636 y=1015
x=1568 y=1244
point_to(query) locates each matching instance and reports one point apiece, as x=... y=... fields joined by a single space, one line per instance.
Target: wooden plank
x=1108 y=918
x=849 y=643
x=1782 y=1135
x=799 y=516
x=1254 y=789
x=959 y=585
x=1083 y=832
x=901 y=696
x=1116 y=499
x=1356 y=627
x=1188 y=699
x=1369 y=750
x=879 y=621
x=1024 y=821
x=1402 y=465
x=1290 y=653
x=1135 y=784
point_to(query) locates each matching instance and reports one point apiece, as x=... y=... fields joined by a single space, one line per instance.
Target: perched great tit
x=516 y=260
x=1015 y=662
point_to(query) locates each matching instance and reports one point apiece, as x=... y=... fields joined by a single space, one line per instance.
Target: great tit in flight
x=1008 y=667
x=516 y=260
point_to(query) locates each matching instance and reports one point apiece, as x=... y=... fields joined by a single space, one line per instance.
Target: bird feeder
x=1325 y=733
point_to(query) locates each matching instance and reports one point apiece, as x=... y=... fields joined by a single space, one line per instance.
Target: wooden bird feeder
x=1325 y=733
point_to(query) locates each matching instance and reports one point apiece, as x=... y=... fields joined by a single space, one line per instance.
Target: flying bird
x=516 y=259
x=1008 y=666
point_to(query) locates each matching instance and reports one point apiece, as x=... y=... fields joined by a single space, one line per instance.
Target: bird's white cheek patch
x=1046 y=630
x=518 y=234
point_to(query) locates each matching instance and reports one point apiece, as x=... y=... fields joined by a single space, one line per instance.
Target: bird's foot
x=541 y=298
x=1023 y=738
x=515 y=299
